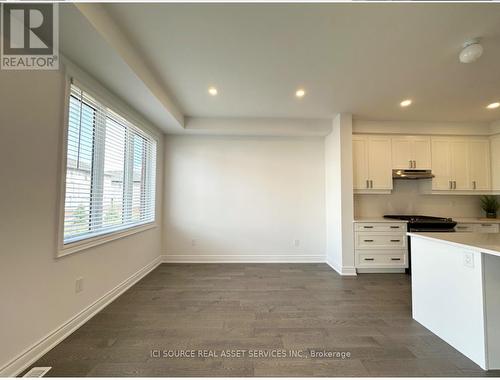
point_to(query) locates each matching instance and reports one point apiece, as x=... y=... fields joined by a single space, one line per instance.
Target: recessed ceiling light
x=212 y=91
x=493 y=105
x=405 y=103
x=300 y=93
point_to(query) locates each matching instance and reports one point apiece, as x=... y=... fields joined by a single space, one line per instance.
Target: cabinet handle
x=369 y=259
x=414 y=164
x=411 y=163
x=367 y=226
x=474 y=185
x=367 y=184
x=461 y=227
x=395 y=240
x=394 y=226
x=451 y=185
x=454 y=185
x=368 y=240
x=486 y=225
x=371 y=184
x=395 y=259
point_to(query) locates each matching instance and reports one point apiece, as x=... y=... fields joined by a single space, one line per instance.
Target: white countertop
x=378 y=220
x=458 y=220
x=477 y=220
x=487 y=243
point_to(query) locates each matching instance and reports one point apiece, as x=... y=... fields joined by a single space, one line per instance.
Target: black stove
x=422 y=223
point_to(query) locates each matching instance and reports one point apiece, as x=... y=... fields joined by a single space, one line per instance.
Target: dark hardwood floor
x=268 y=307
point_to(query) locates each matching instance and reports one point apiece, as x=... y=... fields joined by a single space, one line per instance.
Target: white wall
x=339 y=196
x=244 y=198
x=37 y=291
x=258 y=126
x=406 y=199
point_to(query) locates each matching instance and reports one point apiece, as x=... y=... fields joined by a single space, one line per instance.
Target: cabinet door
x=479 y=154
x=441 y=163
x=401 y=153
x=495 y=162
x=379 y=163
x=422 y=152
x=360 y=162
x=460 y=168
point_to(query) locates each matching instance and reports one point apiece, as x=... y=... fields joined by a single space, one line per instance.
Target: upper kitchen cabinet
x=411 y=152
x=495 y=162
x=441 y=164
x=372 y=163
x=461 y=164
x=480 y=166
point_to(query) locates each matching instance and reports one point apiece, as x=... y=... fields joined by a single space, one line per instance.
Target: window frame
x=83 y=243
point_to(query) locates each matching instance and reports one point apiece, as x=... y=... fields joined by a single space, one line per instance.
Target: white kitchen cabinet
x=441 y=164
x=495 y=162
x=487 y=228
x=465 y=227
x=479 y=156
x=411 y=152
x=482 y=228
x=460 y=168
x=372 y=163
x=380 y=246
x=460 y=164
x=360 y=162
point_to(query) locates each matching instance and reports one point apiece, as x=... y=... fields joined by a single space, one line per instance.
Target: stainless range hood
x=411 y=174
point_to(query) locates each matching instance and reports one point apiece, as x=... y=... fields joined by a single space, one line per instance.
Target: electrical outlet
x=469 y=259
x=296 y=243
x=79 y=285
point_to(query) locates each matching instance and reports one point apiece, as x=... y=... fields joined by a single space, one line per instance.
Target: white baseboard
x=36 y=351
x=343 y=271
x=242 y=258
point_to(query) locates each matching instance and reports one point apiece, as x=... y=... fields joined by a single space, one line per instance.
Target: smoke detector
x=471 y=51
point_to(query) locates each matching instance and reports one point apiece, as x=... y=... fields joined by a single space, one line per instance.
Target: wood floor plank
x=259 y=308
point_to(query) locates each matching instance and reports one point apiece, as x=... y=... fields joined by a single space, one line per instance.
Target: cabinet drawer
x=484 y=228
x=465 y=227
x=381 y=260
x=365 y=240
x=380 y=227
x=487 y=228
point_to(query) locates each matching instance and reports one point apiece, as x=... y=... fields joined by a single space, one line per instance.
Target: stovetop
x=420 y=218
x=423 y=223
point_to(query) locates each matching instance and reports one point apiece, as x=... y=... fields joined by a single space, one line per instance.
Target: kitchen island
x=456 y=291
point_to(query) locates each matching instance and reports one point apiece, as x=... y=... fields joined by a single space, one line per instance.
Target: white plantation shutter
x=110 y=171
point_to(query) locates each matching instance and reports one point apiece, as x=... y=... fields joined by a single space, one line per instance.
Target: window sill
x=68 y=249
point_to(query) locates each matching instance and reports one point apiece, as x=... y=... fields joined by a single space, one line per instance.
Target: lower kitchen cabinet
x=482 y=228
x=380 y=246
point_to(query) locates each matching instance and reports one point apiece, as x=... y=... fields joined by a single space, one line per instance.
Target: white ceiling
x=359 y=58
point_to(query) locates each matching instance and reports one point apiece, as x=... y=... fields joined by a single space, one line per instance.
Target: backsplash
x=406 y=199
